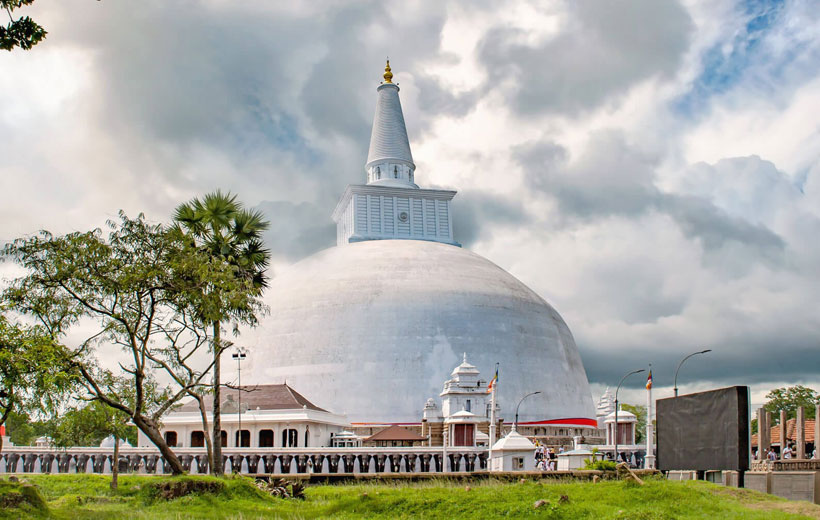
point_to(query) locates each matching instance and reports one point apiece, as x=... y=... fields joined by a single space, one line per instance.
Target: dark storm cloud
x=613 y=178
x=743 y=359
x=602 y=49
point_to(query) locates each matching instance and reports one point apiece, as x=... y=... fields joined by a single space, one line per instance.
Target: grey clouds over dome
x=663 y=198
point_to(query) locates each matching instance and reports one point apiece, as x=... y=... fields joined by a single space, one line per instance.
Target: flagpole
x=492 y=415
x=649 y=458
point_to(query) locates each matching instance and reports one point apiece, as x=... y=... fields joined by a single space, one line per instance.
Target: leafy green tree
x=640 y=414
x=33 y=375
x=134 y=288
x=23 y=430
x=789 y=398
x=89 y=425
x=221 y=227
x=22 y=32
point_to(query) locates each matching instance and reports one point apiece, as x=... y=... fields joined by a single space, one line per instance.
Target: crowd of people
x=788 y=453
x=546 y=458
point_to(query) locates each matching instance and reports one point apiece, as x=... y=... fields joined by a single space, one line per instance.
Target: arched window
x=395 y=172
x=307 y=436
x=290 y=438
x=266 y=438
x=171 y=438
x=197 y=439
x=243 y=438
x=378 y=172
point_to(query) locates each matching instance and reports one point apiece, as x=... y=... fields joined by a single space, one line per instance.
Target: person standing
x=787 y=453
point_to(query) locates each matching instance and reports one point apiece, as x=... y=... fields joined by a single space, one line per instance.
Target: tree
x=640 y=426
x=133 y=290
x=89 y=425
x=219 y=226
x=33 y=376
x=789 y=398
x=22 y=32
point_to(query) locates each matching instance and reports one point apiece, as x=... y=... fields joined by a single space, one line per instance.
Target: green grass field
x=88 y=496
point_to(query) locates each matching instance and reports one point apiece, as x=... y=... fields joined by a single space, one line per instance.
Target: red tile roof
x=791 y=432
x=396 y=433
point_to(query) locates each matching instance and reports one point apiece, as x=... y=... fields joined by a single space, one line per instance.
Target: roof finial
x=388 y=76
x=465 y=357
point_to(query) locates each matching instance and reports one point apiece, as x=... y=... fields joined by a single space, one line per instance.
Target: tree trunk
x=115 y=467
x=209 y=447
x=154 y=435
x=217 y=468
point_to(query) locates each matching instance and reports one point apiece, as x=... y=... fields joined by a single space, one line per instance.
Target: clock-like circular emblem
x=403 y=216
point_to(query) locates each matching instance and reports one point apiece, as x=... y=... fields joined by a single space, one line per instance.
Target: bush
x=600 y=465
x=17 y=498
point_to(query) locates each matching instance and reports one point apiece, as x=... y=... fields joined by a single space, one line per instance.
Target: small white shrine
x=627 y=423
x=514 y=452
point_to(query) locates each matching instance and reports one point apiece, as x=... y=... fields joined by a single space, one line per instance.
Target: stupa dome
x=371 y=329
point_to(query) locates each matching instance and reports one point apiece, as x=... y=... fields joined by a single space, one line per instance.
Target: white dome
x=371 y=329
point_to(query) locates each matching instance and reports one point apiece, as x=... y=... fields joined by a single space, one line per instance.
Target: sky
x=651 y=168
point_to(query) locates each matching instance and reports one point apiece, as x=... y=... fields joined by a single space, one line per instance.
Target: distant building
x=272 y=416
x=606 y=405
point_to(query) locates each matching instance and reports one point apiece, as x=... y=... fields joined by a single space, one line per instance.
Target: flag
x=649 y=381
x=493 y=381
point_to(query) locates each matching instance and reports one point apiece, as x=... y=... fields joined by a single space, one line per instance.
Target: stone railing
x=248 y=460
x=786 y=465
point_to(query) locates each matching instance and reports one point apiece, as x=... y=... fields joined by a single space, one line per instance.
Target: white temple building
x=272 y=416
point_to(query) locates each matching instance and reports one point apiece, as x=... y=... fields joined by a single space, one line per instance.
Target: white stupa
x=370 y=328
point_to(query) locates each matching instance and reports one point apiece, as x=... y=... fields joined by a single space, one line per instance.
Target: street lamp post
x=239 y=355
x=515 y=424
x=615 y=433
x=681 y=362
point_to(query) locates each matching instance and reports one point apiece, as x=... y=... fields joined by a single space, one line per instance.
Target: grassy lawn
x=88 y=496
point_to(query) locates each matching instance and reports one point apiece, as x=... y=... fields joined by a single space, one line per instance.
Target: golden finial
x=388 y=76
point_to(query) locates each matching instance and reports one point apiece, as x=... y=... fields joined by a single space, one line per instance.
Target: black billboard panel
x=703 y=431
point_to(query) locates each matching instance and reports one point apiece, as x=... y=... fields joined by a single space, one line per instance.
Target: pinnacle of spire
x=388 y=75
x=389 y=161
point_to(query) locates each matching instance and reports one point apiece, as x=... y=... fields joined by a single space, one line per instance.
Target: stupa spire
x=389 y=161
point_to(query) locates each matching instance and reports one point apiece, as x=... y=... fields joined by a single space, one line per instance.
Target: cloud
x=600 y=50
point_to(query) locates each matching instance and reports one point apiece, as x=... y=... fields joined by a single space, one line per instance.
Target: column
x=767 y=433
x=761 y=433
x=817 y=429
x=783 y=440
x=800 y=433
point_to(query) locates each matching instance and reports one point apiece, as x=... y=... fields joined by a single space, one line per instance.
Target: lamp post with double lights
x=239 y=356
x=681 y=362
x=615 y=433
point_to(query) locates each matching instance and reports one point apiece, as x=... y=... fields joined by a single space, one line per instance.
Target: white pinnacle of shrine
x=389 y=160
x=606 y=405
x=391 y=205
x=463 y=391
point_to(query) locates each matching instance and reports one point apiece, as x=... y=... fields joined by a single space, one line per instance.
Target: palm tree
x=219 y=225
